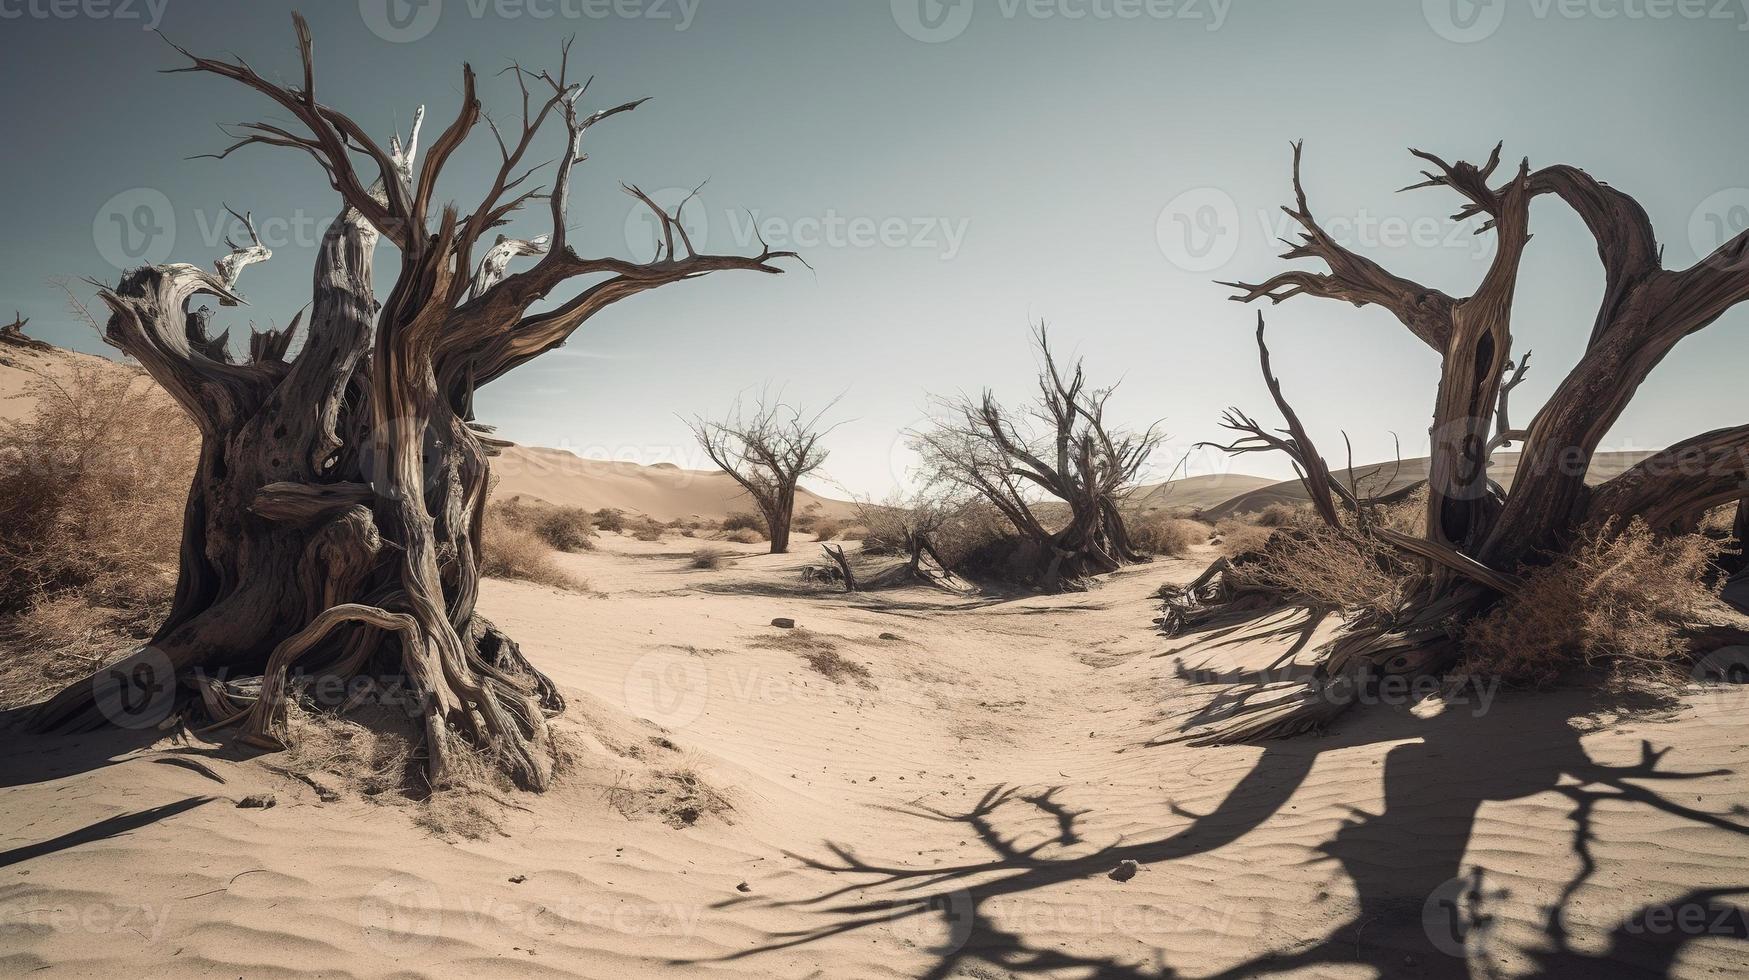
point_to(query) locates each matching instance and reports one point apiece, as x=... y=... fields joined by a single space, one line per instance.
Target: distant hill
x=1380 y=478
x=663 y=491
x=1197 y=492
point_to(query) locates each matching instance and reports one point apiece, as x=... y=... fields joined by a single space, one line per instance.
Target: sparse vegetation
x=513 y=552
x=609 y=519
x=1163 y=533
x=709 y=558
x=568 y=529
x=1615 y=597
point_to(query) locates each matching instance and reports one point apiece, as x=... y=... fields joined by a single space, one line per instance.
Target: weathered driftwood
x=333 y=523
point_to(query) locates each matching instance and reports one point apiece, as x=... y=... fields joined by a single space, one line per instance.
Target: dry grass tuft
x=1613 y=599
x=1240 y=537
x=709 y=558
x=745 y=535
x=1327 y=569
x=513 y=552
x=1278 y=515
x=92 y=487
x=742 y=521
x=821 y=653
x=562 y=528
x=1162 y=533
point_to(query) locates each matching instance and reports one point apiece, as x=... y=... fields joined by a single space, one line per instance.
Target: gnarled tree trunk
x=1478 y=535
x=332 y=529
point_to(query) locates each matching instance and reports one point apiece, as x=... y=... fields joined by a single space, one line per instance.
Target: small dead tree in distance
x=1478 y=535
x=995 y=453
x=334 y=518
x=767 y=451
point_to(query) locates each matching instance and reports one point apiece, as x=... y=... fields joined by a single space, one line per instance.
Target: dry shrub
x=609 y=519
x=92 y=487
x=1160 y=533
x=562 y=528
x=508 y=551
x=745 y=535
x=1240 y=537
x=1278 y=515
x=367 y=753
x=646 y=529
x=709 y=558
x=742 y=521
x=1610 y=598
x=853 y=532
x=1406 y=516
x=1322 y=567
x=827 y=528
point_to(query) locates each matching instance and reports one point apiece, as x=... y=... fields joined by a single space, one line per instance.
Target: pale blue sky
x=1017 y=162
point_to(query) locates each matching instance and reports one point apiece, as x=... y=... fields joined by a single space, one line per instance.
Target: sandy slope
x=663 y=491
x=1381 y=478
x=1003 y=757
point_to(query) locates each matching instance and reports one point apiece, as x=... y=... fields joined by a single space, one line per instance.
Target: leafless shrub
x=508 y=551
x=745 y=535
x=92 y=486
x=827 y=528
x=1161 y=533
x=562 y=528
x=1345 y=570
x=709 y=558
x=1277 y=515
x=610 y=519
x=1614 y=598
x=742 y=521
x=1241 y=537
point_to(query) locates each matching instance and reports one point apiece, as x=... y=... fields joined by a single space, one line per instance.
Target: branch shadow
x=1421 y=911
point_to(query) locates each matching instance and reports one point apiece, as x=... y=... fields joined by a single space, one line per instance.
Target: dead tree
x=766 y=451
x=1478 y=535
x=1059 y=445
x=333 y=524
x=13 y=333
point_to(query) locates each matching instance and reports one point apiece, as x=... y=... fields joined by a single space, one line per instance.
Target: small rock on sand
x=1125 y=870
x=784 y=623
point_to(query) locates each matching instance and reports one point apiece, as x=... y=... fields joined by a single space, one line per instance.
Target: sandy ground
x=955 y=813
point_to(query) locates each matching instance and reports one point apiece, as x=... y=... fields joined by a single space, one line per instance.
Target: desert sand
x=954 y=813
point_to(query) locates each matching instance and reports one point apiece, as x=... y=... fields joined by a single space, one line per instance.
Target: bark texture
x=332 y=529
x=1478 y=535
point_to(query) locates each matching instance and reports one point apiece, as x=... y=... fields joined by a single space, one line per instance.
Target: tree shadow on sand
x=1421 y=912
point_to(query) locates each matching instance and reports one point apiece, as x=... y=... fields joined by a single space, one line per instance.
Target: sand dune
x=663 y=491
x=954 y=815
x=1381 y=478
